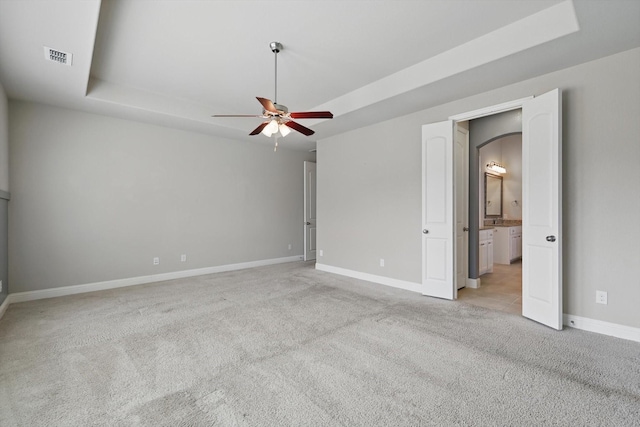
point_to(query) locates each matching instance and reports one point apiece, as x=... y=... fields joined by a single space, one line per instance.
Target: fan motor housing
x=282 y=108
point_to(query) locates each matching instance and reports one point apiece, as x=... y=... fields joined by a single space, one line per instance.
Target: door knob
x=425 y=231
x=465 y=228
x=307 y=223
x=551 y=238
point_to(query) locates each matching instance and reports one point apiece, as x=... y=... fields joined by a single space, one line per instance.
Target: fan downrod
x=275 y=48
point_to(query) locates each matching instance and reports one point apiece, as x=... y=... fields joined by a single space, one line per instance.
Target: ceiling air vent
x=57 y=56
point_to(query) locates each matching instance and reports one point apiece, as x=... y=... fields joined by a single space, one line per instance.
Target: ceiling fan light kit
x=284 y=130
x=279 y=121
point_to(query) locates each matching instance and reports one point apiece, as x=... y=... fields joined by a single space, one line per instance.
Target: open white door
x=309 y=211
x=438 y=244
x=542 y=209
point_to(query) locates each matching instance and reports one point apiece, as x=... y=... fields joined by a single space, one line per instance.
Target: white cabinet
x=490 y=255
x=486 y=251
x=507 y=244
x=483 y=257
x=515 y=248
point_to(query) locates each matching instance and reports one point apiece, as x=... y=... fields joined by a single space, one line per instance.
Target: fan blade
x=267 y=104
x=299 y=128
x=236 y=115
x=312 y=115
x=259 y=128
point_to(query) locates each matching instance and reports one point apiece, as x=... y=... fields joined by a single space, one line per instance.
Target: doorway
x=499 y=190
x=541 y=128
x=501 y=289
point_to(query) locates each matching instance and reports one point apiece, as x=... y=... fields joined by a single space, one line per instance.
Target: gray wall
x=369 y=187
x=4 y=141
x=4 y=192
x=95 y=198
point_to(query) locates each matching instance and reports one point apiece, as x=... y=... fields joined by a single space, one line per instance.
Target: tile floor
x=500 y=290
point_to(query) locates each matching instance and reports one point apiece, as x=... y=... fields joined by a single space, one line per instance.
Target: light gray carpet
x=287 y=345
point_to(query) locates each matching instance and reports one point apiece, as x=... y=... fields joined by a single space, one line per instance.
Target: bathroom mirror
x=492 y=196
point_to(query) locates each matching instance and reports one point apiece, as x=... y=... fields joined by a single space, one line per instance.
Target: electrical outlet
x=381 y=262
x=601 y=297
x=321 y=252
x=183 y=258
x=156 y=261
x=289 y=246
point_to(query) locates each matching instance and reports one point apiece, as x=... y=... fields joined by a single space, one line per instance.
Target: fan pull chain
x=275 y=147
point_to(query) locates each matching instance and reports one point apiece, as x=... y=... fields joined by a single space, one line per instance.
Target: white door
x=461 y=185
x=542 y=209
x=438 y=244
x=309 y=211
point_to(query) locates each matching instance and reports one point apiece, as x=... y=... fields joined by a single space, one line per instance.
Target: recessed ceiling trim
x=542 y=27
x=487 y=111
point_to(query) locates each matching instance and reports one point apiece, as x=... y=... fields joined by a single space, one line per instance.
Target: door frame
x=477 y=114
x=461 y=224
x=490 y=111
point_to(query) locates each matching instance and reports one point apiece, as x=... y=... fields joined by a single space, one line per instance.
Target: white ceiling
x=175 y=63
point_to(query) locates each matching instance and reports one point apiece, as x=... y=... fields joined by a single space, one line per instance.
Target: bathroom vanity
x=507 y=244
x=486 y=251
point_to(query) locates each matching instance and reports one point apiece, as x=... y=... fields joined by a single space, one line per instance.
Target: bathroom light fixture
x=496 y=167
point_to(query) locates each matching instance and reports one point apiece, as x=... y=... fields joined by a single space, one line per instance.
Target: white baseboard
x=591 y=325
x=4 y=306
x=600 y=327
x=120 y=283
x=583 y=323
x=473 y=283
x=396 y=283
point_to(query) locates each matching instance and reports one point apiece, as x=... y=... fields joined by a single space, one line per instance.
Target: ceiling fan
x=279 y=121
